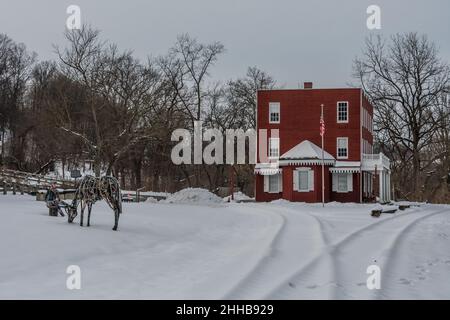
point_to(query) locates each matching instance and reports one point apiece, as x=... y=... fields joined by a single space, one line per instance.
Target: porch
x=376 y=176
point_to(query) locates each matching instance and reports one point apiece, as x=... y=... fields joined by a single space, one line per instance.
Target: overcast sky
x=294 y=40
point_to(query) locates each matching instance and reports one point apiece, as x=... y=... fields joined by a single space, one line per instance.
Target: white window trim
x=270 y=144
x=279 y=112
x=337 y=148
x=337 y=112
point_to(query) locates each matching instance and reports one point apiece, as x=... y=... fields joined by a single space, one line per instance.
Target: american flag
x=322 y=126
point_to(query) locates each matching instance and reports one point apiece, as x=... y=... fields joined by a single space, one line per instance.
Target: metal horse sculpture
x=91 y=190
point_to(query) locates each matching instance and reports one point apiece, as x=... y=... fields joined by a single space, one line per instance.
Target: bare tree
x=234 y=107
x=187 y=66
x=16 y=64
x=404 y=79
x=241 y=97
x=118 y=88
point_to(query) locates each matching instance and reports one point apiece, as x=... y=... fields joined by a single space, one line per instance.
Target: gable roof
x=306 y=150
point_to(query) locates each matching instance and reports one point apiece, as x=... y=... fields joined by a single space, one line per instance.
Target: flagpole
x=323 y=161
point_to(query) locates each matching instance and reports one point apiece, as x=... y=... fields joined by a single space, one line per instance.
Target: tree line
x=97 y=102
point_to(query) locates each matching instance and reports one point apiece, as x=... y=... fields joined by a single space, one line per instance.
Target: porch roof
x=346 y=167
x=306 y=150
x=267 y=169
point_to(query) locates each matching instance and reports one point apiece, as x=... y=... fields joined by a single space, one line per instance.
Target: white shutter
x=295 y=180
x=280 y=182
x=266 y=183
x=334 y=182
x=311 y=180
x=350 y=182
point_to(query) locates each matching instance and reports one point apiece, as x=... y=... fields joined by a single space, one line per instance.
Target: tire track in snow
x=255 y=284
x=361 y=253
x=310 y=266
x=308 y=271
x=247 y=278
x=394 y=249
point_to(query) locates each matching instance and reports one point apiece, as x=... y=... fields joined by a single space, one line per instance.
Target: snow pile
x=408 y=203
x=147 y=193
x=384 y=207
x=193 y=195
x=238 y=196
x=151 y=200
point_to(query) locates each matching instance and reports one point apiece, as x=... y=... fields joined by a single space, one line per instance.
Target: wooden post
x=14 y=188
x=231 y=183
x=4 y=188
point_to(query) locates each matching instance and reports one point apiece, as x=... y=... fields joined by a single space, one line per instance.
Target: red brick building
x=292 y=169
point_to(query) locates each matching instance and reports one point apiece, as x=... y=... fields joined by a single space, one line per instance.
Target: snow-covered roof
x=306 y=150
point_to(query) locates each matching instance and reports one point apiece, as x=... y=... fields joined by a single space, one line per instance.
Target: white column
x=381 y=195
x=389 y=185
x=386 y=187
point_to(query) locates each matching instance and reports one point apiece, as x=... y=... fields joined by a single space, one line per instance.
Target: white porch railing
x=369 y=161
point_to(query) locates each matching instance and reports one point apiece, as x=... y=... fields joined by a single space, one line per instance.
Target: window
x=342 y=182
x=274 y=147
x=303 y=180
x=273 y=183
x=274 y=112
x=367 y=147
x=364 y=118
x=342 y=112
x=342 y=148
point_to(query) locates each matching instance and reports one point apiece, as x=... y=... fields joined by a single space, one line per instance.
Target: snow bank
x=147 y=193
x=384 y=207
x=408 y=203
x=193 y=195
x=238 y=196
x=151 y=200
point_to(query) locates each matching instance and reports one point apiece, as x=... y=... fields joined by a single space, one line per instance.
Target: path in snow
x=298 y=239
x=235 y=251
x=336 y=268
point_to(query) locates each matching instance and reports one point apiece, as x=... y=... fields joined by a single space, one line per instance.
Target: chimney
x=307 y=85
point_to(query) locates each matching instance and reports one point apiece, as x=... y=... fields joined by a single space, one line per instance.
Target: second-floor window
x=342 y=112
x=342 y=148
x=274 y=147
x=274 y=112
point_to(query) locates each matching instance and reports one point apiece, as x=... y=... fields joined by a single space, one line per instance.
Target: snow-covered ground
x=220 y=250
